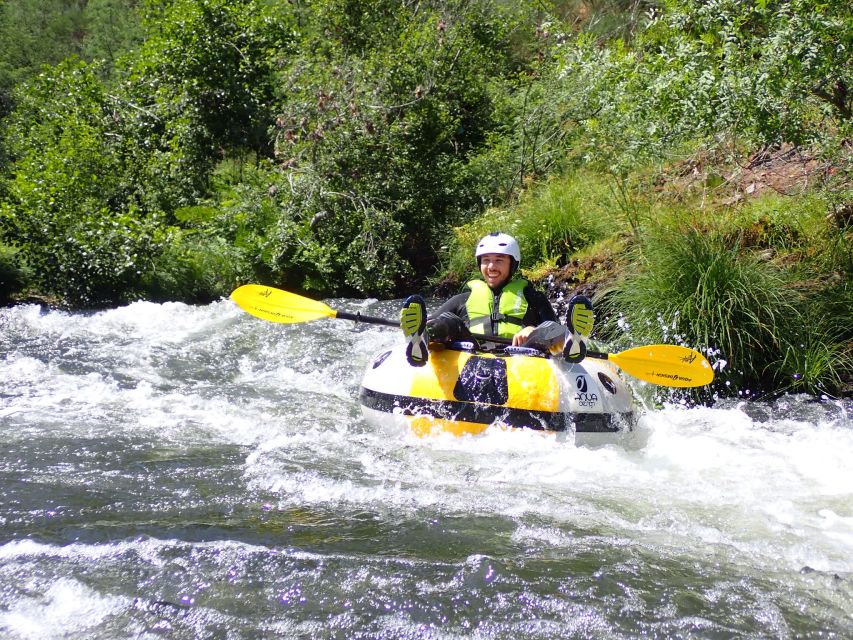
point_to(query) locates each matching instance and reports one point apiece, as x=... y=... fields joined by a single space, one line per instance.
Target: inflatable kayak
x=462 y=390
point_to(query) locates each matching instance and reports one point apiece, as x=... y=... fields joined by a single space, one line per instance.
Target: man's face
x=495 y=268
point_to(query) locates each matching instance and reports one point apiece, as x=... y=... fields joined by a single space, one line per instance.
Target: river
x=174 y=471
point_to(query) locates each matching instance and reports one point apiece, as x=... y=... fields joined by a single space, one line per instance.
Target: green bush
x=818 y=361
x=756 y=289
x=34 y=33
x=385 y=147
x=65 y=204
x=762 y=72
x=198 y=90
x=13 y=276
x=195 y=267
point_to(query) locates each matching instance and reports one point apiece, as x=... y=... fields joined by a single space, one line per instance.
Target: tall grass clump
x=551 y=222
x=698 y=288
x=819 y=359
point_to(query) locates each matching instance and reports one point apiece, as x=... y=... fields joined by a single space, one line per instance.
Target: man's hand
x=521 y=337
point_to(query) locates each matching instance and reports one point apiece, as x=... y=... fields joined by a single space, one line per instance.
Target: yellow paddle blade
x=665 y=364
x=275 y=305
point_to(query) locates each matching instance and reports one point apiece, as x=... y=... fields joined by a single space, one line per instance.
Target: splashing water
x=184 y=472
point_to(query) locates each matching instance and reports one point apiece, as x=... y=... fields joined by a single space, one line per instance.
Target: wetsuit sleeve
x=539 y=309
x=455 y=305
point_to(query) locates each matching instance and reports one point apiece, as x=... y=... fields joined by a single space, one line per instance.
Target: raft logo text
x=583 y=398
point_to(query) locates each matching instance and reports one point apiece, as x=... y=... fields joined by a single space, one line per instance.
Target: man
x=498 y=305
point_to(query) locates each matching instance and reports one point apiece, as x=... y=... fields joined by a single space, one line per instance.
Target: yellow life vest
x=507 y=319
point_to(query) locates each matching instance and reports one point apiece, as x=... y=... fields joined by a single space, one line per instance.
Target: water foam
x=762 y=489
x=67 y=608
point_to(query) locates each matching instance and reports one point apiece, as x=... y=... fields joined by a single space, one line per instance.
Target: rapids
x=170 y=471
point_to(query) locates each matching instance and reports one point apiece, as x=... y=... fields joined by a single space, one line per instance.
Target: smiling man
x=499 y=304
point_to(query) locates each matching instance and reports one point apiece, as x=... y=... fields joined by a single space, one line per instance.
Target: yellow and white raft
x=464 y=391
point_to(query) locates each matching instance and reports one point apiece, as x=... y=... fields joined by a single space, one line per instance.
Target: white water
x=194 y=471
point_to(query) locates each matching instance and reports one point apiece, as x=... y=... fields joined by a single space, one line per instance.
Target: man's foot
x=413 y=324
x=579 y=320
x=579 y=317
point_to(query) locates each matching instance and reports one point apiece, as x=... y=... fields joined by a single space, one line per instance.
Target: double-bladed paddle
x=664 y=364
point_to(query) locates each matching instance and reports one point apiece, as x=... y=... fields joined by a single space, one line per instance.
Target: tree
x=385 y=120
x=67 y=205
x=34 y=33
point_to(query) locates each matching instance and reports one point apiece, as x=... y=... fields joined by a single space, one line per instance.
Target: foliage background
x=173 y=149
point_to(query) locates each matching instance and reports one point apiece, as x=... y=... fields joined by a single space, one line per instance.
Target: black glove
x=447 y=326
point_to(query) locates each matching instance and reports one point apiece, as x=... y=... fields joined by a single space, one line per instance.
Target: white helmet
x=498 y=243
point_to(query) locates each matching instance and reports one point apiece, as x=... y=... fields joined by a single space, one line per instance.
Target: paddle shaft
x=357 y=317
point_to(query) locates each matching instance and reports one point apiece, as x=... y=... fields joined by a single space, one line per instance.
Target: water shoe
x=413 y=324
